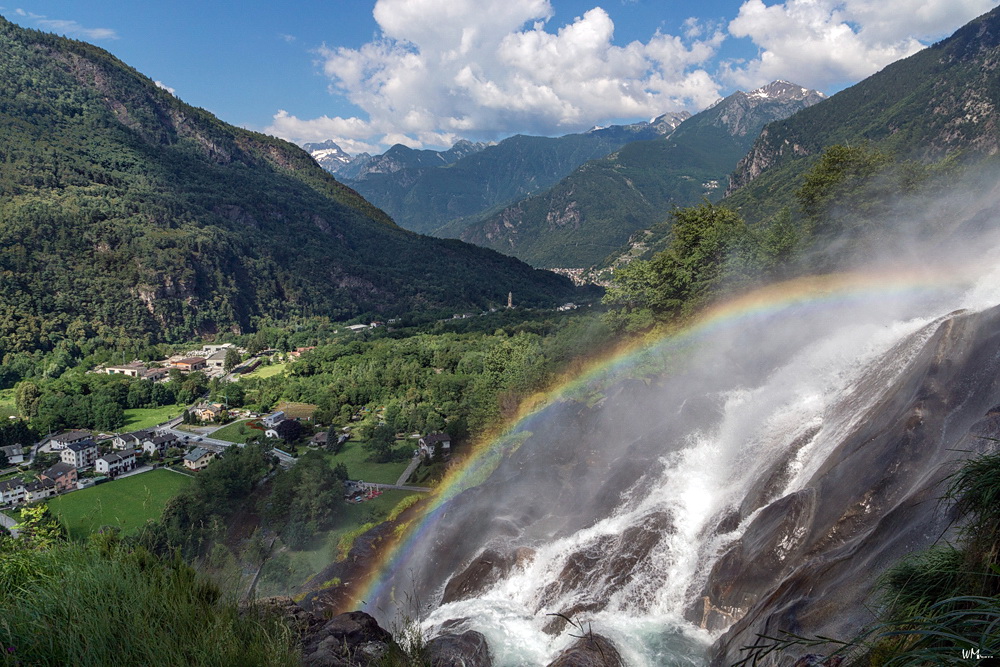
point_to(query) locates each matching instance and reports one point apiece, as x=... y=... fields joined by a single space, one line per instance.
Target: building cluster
x=211 y=359
x=79 y=453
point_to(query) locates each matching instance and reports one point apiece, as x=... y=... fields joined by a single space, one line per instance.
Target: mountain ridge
x=595 y=210
x=124 y=209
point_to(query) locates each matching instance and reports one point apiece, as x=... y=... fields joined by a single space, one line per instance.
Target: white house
x=69 y=437
x=15 y=454
x=131 y=440
x=198 y=458
x=12 y=492
x=80 y=454
x=158 y=444
x=116 y=463
x=39 y=490
x=273 y=419
x=430 y=443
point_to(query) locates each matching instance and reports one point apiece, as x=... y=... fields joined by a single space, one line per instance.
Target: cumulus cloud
x=443 y=69
x=440 y=70
x=822 y=43
x=160 y=84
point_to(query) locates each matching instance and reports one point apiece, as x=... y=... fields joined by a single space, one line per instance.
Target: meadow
x=137 y=419
x=127 y=503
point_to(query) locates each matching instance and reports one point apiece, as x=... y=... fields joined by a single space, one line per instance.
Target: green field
x=238 y=431
x=354 y=455
x=127 y=503
x=140 y=418
x=7 y=408
x=267 y=371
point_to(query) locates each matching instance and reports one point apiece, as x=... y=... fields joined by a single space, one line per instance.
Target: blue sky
x=427 y=72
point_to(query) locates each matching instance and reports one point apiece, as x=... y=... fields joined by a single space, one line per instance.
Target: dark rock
x=590 y=651
x=768 y=549
x=352 y=639
x=487 y=569
x=607 y=564
x=468 y=649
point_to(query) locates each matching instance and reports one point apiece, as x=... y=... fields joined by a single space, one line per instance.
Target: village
x=186 y=443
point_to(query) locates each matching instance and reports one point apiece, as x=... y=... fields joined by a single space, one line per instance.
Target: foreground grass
x=77 y=604
x=137 y=419
x=127 y=503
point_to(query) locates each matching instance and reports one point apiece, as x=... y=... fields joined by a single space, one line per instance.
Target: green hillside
x=431 y=198
x=940 y=101
x=597 y=208
x=124 y=212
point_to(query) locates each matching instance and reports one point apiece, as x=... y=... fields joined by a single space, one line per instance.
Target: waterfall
x=615 y=515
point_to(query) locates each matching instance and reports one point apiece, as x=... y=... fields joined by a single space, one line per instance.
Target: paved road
x=418 y=489
x=409 y=471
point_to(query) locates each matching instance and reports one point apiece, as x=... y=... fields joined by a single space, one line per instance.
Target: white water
x=819 y=394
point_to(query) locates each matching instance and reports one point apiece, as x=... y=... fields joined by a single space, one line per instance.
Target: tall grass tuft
x=88 y=604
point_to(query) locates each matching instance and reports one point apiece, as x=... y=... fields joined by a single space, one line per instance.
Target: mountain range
x=596 y=209
x=437 y=193
x=125 y=211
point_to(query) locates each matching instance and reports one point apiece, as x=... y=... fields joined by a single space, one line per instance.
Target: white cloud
x=320 y=129
x=165 y=87
x=442 y=69
x=483 y=69
x=67 y=27
x=821 y=43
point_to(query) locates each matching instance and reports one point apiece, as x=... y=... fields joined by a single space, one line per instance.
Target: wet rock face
x=468 y=649
x=769 y=549
x=606 y=565
x=874 y=499
x=590 y=651
x=488 y=568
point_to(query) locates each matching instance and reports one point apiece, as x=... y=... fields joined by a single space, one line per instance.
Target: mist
x=761 y=430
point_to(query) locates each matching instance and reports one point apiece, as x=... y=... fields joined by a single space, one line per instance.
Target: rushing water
x=624 y=516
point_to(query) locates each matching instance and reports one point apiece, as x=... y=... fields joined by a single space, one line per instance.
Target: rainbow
x=790 y=297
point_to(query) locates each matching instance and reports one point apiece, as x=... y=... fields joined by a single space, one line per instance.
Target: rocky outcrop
x=352 y=639
x=807 y=562
x=468 y=649
x=590 y=651
x=485 y=570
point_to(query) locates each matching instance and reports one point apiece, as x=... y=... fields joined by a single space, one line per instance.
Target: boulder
x=590 y=651
x=468 y=649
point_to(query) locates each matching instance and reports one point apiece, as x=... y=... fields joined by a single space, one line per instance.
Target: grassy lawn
x=7 y=408
x=267 y=371
x=238 y=431
x=139 y=418
x=354 y=455
x=127 y=503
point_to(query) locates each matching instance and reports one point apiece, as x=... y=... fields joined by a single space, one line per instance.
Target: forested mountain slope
x=125 y=211
x=595 y=210
x=940 y=101
x=440 y=198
